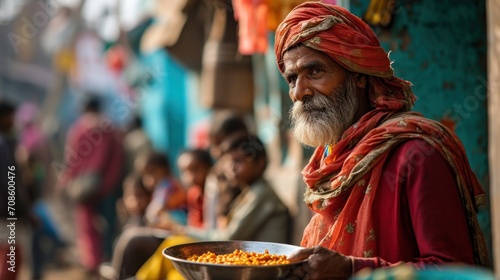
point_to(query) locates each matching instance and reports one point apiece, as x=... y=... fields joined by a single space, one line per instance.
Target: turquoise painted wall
x=440 y=46
x=164 y=104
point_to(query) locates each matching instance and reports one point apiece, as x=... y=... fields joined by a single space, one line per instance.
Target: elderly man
x=387 y=185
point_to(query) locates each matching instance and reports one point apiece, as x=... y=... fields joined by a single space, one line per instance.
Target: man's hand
x=322 y=264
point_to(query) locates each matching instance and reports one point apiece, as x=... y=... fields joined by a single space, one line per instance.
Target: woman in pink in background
x=94 y=161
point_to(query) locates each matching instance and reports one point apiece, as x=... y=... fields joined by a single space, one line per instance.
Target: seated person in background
x=257 y=213
x=194 y=165
x=219 y=192
x=132 y=206
x=168 y=201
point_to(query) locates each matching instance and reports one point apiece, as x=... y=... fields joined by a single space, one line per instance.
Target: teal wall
x=164 y=104
x=440 y=46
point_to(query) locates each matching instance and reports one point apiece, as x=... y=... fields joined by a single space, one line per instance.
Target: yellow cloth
x=158 y=266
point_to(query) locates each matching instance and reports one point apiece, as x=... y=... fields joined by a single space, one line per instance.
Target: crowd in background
x=125 y=198
x=122 y=129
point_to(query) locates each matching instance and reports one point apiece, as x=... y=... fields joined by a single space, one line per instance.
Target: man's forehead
x=294 y=55
x=297 y=49
x=298 y=56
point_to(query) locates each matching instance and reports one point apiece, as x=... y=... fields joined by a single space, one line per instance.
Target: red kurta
x=417 y=211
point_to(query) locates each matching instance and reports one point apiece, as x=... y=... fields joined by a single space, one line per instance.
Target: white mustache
x=321 y=119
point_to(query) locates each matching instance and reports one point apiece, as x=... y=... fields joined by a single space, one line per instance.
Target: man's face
x=324 y=96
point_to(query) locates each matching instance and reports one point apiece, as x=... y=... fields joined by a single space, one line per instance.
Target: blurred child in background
x=168 y=201
x=194 y=165
x=135 y=200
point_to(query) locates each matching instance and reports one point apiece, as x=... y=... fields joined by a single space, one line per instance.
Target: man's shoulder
x=411 y=128
x=399 y=118
x=413 y=145
x=415 y=153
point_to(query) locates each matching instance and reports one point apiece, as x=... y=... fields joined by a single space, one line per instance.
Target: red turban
x=351 y=43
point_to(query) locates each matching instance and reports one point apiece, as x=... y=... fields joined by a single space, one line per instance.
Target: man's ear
x=360 y=80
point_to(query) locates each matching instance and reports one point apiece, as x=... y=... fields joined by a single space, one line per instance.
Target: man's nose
x=300 y=90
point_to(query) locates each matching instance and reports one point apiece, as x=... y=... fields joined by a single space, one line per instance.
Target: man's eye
x=315 y=71
x=291 y=79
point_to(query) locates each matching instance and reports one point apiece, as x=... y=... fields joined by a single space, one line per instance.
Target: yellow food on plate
x=239 y=257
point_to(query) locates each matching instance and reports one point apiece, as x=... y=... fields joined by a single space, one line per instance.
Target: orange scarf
x=342 y=186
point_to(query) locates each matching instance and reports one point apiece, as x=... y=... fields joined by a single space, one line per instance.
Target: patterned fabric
x=342 y=185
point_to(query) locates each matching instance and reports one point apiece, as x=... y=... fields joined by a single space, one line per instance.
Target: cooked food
x=239 y=257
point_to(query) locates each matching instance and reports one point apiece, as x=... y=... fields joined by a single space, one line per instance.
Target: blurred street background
x=163 y=69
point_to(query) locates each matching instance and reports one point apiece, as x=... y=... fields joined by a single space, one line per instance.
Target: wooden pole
x=493 y=27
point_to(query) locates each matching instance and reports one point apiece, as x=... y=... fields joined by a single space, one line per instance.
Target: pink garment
x=93 y=146
x=31 y=136
x=252 y=18
x=89 y=240
x=199 y=135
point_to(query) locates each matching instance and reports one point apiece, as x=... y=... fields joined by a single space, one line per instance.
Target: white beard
x=321 y=120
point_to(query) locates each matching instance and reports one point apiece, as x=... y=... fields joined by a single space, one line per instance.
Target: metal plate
x=178 y=254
